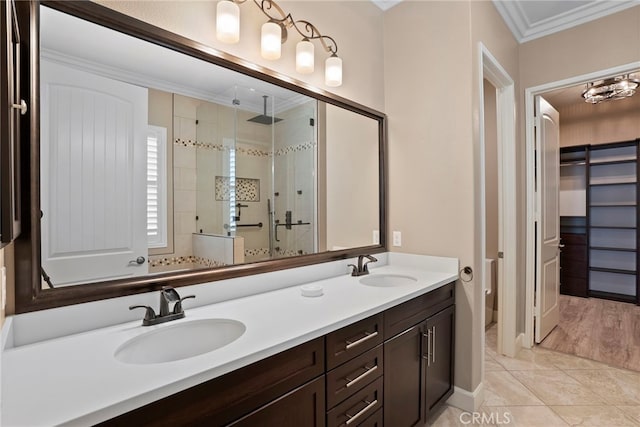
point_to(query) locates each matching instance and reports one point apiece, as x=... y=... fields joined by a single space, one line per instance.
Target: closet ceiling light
x=610 y=89
x=274 y=33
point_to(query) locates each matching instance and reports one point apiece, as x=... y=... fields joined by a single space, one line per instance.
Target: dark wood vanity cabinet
x=418 y=362
x=391 y=369
x=287 y=379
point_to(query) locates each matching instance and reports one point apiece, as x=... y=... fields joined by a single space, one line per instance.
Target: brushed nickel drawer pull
x=428 y=356
x=433 y=349
x=353 y=418
x=367 y=336
x=368 y=370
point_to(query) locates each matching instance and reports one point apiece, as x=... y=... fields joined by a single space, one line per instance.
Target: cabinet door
x=303 y=407
x=439 y=360
x=404 y=379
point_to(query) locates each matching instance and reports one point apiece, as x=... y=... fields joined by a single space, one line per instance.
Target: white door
x=547 y=309
x=93 y=185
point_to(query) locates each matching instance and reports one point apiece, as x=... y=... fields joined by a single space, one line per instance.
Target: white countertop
x=75 y=379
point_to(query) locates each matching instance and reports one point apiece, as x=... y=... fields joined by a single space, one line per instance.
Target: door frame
x=529 y=100
x=491 y=70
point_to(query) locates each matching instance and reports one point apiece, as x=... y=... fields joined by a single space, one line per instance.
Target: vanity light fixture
x=228 y=22
x=610 y=89
x=274 y=34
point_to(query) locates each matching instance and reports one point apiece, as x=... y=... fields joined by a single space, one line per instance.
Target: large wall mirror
x=161 y=163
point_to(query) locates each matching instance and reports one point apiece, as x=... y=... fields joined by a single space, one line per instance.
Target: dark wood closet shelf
x=613 y=205
x=612 y=296
x=613 y=227
x=609 y=184
x=612 y=162
x=608 y=248
x=613 y=270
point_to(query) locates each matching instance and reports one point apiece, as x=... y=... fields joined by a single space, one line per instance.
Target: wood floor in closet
x=598 y=329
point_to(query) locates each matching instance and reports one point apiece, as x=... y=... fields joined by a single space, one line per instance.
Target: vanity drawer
x=401 y=317
x=375 y=420
x=227 y=398
x=351 y=376
x=358 y=408
x=353 y=340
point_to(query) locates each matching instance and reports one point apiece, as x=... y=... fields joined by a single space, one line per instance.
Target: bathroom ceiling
x=531 y=19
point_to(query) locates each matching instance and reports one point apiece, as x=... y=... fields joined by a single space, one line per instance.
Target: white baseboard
x=519 y=342
x=466 y=400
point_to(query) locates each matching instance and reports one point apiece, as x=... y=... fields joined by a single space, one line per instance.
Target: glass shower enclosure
x=256 y=183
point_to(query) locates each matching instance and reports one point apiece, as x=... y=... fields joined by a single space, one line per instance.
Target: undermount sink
x=388 y=280
x=180 y=341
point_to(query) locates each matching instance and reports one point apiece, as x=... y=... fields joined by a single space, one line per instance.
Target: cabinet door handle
x=353 y=418
x=367 y=336
x=428 y=338
x=433 y=345
x=368 y=370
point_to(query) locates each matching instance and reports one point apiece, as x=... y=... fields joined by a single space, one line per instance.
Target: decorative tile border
x=247 y=189
x=295 y=148
x=246 y=151
x=157 y=262
x=289 y=252
x=256 y=251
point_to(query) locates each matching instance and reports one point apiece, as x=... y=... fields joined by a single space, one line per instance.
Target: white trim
x=466 y=400
x=497 y=75
x=519 y=342
x=162 y=165
x=524 y=30
x=529 y=98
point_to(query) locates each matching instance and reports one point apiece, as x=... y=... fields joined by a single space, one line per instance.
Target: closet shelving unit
x=574 y=272
x=612 y=202
x=600 y=225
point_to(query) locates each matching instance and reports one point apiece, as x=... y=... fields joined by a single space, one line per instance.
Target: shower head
x=264 y=119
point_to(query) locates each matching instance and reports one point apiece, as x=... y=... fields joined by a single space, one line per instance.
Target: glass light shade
x=333 y=71
x=271 y=41
x=304 y=57
x=227 y=22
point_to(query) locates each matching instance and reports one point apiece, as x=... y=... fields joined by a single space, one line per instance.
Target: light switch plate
x=376 y=237
x=397 y=238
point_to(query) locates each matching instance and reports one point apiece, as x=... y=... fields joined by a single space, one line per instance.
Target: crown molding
x=525 y=30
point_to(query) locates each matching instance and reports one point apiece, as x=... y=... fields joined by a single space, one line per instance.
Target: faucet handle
x=177 y=308
x=149 y=314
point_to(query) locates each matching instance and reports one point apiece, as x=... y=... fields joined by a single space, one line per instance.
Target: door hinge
x=500 y=254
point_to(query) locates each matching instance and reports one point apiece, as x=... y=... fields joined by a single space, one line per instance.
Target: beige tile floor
x=545 y=388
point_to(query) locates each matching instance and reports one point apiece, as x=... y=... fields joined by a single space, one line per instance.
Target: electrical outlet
x=397 y=238
x=376 y=237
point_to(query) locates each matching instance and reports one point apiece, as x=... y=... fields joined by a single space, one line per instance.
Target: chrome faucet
x=362 y=268
x=168 y=296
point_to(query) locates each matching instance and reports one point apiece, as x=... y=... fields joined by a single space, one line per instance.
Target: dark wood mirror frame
x=29 y=293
